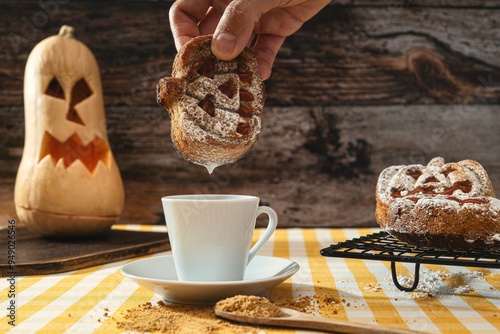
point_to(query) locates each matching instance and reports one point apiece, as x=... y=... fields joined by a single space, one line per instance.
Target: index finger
x=184 y=16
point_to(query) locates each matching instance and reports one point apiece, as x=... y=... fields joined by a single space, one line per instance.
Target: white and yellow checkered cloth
x=83 y=301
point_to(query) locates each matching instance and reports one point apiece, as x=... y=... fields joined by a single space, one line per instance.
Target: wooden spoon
x=296 y=319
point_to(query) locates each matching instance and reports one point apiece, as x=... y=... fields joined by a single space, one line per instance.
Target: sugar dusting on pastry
x=439 y=205
x=215 y=106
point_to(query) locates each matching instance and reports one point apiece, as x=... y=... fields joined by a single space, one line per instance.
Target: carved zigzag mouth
x=72 y=149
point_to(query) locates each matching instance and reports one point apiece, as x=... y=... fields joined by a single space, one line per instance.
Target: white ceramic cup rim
x=209 y=197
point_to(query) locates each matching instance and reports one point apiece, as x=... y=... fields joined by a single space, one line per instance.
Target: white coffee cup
x=211 y=235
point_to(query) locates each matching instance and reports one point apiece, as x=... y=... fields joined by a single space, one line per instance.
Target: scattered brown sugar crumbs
x=373 y=287
x=189 y=319
x=249 y=306
x=329 y=300
x=178 y=319
x=303 y=304
x=309 y=304
x=262 y=307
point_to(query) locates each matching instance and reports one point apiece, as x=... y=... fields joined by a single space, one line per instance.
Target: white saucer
x=158 y=274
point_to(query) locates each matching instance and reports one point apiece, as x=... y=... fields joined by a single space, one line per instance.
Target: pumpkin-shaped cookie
x=215 y=106
x=441 y=205
x=68 y=182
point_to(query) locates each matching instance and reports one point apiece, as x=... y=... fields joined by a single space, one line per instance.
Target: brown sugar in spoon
x=296 y=319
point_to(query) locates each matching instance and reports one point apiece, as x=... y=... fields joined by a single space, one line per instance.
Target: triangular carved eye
x=207 y=105
x=228 y=88
x=80 y=92
x=54 y=89
x=207 y=68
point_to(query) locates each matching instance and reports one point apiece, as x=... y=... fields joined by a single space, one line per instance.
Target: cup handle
x=271 y=226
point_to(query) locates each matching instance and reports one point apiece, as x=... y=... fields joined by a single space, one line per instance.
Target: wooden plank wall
x=362 y=86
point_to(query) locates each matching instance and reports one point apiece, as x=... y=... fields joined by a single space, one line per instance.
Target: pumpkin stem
x=67 y=31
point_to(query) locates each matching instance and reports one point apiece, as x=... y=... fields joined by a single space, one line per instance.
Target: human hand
x=235 y=23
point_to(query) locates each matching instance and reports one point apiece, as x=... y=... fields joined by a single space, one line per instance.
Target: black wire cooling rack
x=382 y=246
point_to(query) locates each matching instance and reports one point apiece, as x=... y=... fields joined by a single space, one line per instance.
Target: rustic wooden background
x=363 y=85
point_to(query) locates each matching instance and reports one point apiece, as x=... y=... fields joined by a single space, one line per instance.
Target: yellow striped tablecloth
x=84 y=301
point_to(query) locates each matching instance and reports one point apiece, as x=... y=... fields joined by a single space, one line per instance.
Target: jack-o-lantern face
x=68 y=182
x=73 y=149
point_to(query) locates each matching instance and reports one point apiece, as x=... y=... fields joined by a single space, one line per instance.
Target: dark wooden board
x=36 y=255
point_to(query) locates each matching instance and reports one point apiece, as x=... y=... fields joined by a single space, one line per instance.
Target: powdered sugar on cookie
x=215 y=106
x=439 y=205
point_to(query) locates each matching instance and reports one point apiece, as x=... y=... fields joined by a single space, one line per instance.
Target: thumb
x=236 y=26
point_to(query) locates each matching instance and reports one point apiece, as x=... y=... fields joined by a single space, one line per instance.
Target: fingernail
x=224 y=44
x=265 y=73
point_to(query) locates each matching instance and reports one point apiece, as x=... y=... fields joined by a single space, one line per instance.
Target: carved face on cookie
x=449 y=206
x=464 y=178
x=215 y=106
x=455 y=183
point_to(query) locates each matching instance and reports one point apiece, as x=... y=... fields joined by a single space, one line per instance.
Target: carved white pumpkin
x=68 y=183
